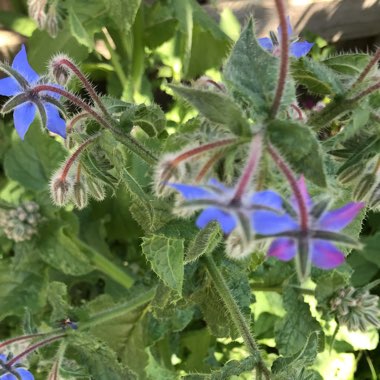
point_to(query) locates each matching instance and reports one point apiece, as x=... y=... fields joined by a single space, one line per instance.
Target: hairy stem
x=366 y=92
x=289 y=175
x=19 y=339
x=237 y=316
x=368 y=68
x=284 y=58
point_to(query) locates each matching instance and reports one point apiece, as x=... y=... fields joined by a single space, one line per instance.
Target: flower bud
x=36 y=10
x=96 y=189
x=52 y=21
x=59 y=72
x=60 y=190
x=80 y=197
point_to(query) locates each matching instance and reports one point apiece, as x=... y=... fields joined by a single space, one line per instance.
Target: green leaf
x=215 y=107
x=328 y=284
x=206 y=240
x=166 y=256
x=316 y=77
x=371 y=249
x=57 y=298
x=78 y=31
x=348 y=64
x=294 y=330
x=300 y=148
x=155 y=371
x=252 y=72
x=122 y=13
x=32 y=162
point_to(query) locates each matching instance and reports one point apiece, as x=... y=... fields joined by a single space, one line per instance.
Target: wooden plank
x=332 y=19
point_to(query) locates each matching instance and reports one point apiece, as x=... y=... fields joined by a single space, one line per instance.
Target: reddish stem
x=284 y=58
x=288 y=173
x=250 y=167
x=86 y=83
x=298 y=110
x=75 y=119
x=19 y=338
x=368 y=68
x=53 y=375
x=207 y=166
x=366 y=92
x=32 y=348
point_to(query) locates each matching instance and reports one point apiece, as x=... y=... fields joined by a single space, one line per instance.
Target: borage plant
x=253 y=149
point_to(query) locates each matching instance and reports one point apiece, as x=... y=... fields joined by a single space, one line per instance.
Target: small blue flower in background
x=297 y=48
x=25 y=112
x=219 y=205
x=24 y=373
x=315 y=243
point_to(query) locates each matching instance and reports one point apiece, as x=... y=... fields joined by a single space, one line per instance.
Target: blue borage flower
x=25 y=103
x=311 y=246
x=219 y=204
x=297 y=48
x=22 y=372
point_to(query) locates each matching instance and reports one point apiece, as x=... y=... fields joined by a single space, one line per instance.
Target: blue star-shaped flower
x=24 y=373
x=27 y=105
x=313 y=245
x=219 y=204
x=297 y=48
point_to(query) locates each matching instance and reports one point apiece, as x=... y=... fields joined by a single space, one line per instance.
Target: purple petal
x=324 y=255
x=283 y=248
x=289 y=27
x=21 y=64
x=227 y=222
x=25 y=374
x=190 y=192
x=266 y=43
x=23 y=116
x=270 y=223
x=55 y=123
x=336 y=220
x=267 y=198
x=9 y=87
x=299 y=49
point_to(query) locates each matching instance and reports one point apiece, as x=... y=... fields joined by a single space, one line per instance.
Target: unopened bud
x=52 y=21
x=59 y=72
x=60 y=190
x=364 y=186
x=80 y=197
x=96 y=189
x=36 y=10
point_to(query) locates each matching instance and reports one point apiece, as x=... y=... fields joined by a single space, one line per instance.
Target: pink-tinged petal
x=336 y=220
x=23 y=116
x=9 y=87
x=324 y=255
x=21 y=64
x=270 y=223
x=266 y=43
x=55 y=123
x=226 y=221
x=25 y=374
x=300 y=48
x=283 y=248
x=289 y=27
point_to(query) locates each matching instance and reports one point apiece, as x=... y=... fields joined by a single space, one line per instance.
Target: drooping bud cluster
x=356 y=308
x=45 y=14
x=20 y=223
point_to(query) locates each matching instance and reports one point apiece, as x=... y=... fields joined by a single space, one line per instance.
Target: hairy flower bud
x=96 y=189
x=356 y=308
x=36 y=10
x=59 y=72
x=60 y=189
x=80 y=197
x=52 y=21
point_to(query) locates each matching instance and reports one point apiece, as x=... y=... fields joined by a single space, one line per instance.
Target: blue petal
x=55 y=123
x=324 y=255
x=215 y=183
x=266 y=43
x=8 y=376
x=269 y=223
x=190 y=192
x=283 y=248
x=267 y=198
x=21 y=64
x=227 y=222
x=25 y=374
x=9 y=87
x=289 y=27
x=299 y=49
x=336 y=220
x=23 y=116
x=3 y=357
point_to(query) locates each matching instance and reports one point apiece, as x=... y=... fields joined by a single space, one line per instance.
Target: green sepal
x=337 y=238
x=13 y=102
x=303 y=259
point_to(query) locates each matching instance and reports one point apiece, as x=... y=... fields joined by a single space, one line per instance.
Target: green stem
x=238 y=318
x=119 y=310
x=279 y=289
x=104 y=265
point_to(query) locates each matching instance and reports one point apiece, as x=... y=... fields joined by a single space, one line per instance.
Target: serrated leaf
x=78 y=31
x=300 y=148
x=31 y=162
x=215 y=107
x=316 y=77
x=166 y=256
x=252 y=72
x=298 y=324
x=204 y=242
